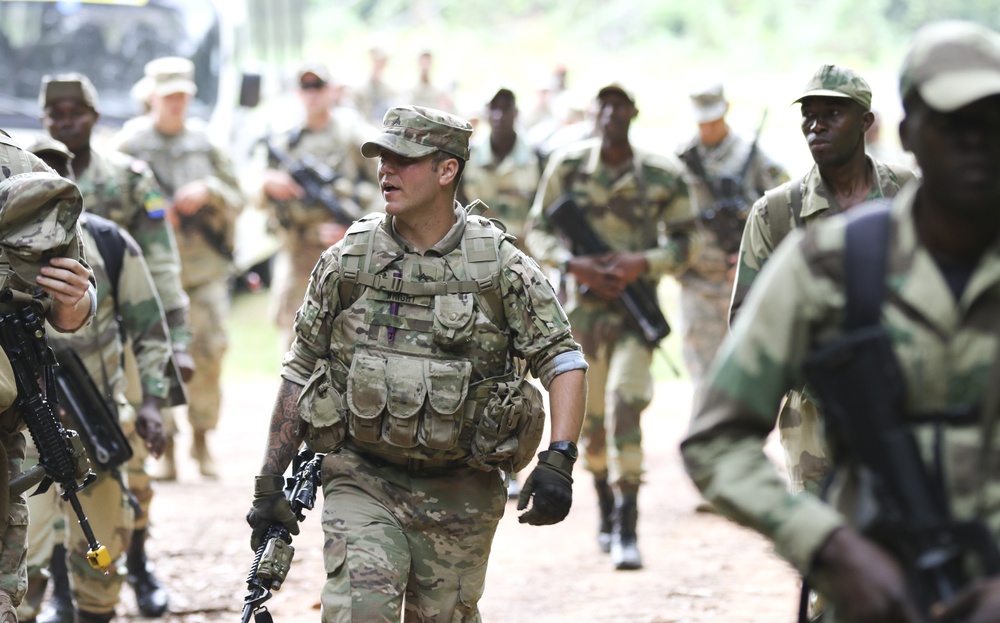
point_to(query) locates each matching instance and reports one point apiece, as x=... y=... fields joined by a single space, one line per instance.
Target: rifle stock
x=639 y=301
x=274 y=555
x=315 y=183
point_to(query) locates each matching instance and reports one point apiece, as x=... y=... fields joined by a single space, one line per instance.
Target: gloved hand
x=551 y=483
x=270 y=506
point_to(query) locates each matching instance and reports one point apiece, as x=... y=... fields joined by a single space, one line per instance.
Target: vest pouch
x=407 y=391
x=510 y=427
x=322 y=408
x=366 y=397
x=447 y=385
x=453 y=319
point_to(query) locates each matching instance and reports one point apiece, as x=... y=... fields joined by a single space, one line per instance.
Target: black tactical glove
x=551 y=482
x=270 y=506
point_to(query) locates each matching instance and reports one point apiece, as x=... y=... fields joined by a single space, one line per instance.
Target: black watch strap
x=566 y=448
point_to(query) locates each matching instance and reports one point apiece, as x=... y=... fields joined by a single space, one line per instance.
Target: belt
x=426 y=467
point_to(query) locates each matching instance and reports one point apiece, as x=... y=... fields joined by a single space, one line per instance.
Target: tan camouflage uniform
x=15 y=161
x=705 y=286
x=508 y=187
x=806 y=454
x=338 y=148
x=644 y=208
x=100 y=347
x=205 y=269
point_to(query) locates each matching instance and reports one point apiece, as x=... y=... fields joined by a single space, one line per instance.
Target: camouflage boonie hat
x=952 y=64
x=73 y=86
x=837 y=81
x=171 y=74
x=38 y=216
x=415 y=131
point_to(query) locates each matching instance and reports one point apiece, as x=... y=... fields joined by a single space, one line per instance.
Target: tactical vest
x=420 y=364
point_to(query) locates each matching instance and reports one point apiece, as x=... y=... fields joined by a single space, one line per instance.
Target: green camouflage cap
x=415 y=131
x=72 y=86
x=837 y=81
x=952 y=64
x=38 y=215
x=42 y=143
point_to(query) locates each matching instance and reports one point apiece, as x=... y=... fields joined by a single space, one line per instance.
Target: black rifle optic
x=726 y=217
x=639 y=300
x=274 y=555
x=62 y=458
x=861 y=388
x=316 y=181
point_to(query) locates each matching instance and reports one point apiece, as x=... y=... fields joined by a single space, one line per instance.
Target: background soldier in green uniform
x=639 y=203
x=126 y=301
x=726 y=179
x=410 y=324
x=30 y=190
x=123 y=189
x=941 y=313
x=204 y=201
x=330 y=139
x=836 y=114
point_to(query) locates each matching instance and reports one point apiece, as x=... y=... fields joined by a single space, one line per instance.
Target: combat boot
x=200 y=453
x=59 y=608
x=165 y=469
x=606 y=507
x=82 y=616
x=624 y=548
x=150 y=596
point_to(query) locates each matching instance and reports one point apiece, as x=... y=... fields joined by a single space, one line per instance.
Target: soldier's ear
x=447 y=171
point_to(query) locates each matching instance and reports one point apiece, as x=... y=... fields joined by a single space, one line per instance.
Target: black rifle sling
x=865 y=262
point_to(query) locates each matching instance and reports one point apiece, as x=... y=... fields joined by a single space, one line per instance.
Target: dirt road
x=699 y=568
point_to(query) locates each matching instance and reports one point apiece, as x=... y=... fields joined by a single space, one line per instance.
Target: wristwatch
x=566 y=448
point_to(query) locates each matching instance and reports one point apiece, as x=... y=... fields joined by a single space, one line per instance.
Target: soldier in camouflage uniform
x=941 y=312
x=836 y=114
x=329 y=139
x=29 y=189
x=121 y=188
x=725 y=178
x=639 y=203
x=205 y=199
x=127 y=305
x=403 y=371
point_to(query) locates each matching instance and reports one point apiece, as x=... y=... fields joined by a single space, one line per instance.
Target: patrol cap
x=317 y=69
x=73 y=86
x=171 y=74
x=952 y=64
x=501 y=91
x=837 y=81
x=415 y=131
x=616 y=87
x=709 y=102
x=43 y=143
x=38 y=216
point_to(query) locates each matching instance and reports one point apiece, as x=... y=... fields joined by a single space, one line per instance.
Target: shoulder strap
x=780 y=210
x=356 y=255
x=903 y=174
x=865 y=262
x=111 y=245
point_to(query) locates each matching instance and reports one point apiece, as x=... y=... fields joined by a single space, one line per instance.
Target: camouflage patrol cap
x=38 y=221
x=171 y=74
x=42 y=143
x=952 y=64
x=72 y=86
x=317 y=69
x=415 y=131
x=616 y=87
x=837 y=81
x=709 y=102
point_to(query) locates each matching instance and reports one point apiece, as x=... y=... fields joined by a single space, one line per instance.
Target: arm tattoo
x=286 y=432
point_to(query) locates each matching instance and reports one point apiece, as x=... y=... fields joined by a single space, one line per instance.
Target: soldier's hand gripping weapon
x=62 y=458
x=317 y=182
x=274 y=555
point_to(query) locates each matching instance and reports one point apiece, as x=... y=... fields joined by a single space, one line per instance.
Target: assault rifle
x=316 y=181
x=274 y=555
x=639 y=301
x=726 y=217
x=861 y=388
x=62 y=458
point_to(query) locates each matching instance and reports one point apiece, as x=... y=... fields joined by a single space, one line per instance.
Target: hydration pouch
x=510 y=427
x=322 y=408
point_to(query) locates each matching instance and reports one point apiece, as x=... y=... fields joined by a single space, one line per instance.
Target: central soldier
x=403 y=371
